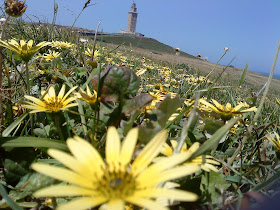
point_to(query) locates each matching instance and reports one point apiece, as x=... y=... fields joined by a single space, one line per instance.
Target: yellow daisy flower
x=87 y=96
x=61 y=45
x=116 y=181
x=51 y=55
x=24 y=49
x=274 y=140
x=158 y=97
x=227 y=112
x=51 y=102
x=205 y=163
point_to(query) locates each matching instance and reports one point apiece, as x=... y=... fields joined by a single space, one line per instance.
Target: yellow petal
x=173 y=194
x=194 y=147
x=210 y=167
x=113 y=145
x=62 y=174
x=150 y=151
x=217 y=104
x=166 y=150
x=35 y=100
x=174 y=144
x=207 y=104
x=145 y=203
x=239 y=106
x=128 y=146
x=61 y=92
x=64 y=190
x=82 y=203
x=65 y=159
x=177 y=172
x=51 y=93
x=29 y=44
x=252 y=109
x=115 y=204
x=86 y=154
x=161 y=165
x=22 y=43
x=70 y=91
x=88 y=91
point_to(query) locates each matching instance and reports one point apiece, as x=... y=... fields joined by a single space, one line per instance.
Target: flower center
x=54 y=104
x=116 y=184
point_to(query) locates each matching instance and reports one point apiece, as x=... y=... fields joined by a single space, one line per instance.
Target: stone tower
x=132 y=19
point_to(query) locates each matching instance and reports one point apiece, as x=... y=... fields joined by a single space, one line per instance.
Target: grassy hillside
x=141 y=42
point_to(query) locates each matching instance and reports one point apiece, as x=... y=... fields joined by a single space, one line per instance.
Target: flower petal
x=82 y=203
x=86 y=154
x=150 y=151
x=62 y=174
x=64 y=190
x=173 y=194
x=65 y=159
x=113 y=145
x=61 y=92
x=116 y=204
x=145 y=203
x=128 y=146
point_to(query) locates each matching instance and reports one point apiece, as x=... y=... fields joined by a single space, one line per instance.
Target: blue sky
x=250 y=28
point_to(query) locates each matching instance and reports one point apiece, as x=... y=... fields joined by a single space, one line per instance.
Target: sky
x=250 y=28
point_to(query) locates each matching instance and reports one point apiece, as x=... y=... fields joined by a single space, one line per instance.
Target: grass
x=146 y=43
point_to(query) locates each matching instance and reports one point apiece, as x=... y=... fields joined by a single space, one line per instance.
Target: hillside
x=154 y=49
x=150 y=44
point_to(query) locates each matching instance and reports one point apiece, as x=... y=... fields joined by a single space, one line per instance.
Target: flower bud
x=15 y=8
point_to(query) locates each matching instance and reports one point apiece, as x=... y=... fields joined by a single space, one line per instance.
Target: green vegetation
x=85 y=123
x=140 y=42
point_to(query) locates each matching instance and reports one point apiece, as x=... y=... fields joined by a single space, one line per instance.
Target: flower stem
x=57 y=124
x=1 y=72
x=27 y=78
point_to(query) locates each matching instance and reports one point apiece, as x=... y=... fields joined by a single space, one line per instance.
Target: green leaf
x=166 y=108
x=146 y=134
x=215 y=138
x=81 y=71
x=268 y=182
x=117 y=82
x=29 y=184
x=9 y=201
x=235 y=179
x=8 y=142
x=127 y=125
x=136 y=103
x=211 y=126
x=212 y=184
x=243 y=75
x=16 y=163
x=11 y=127
x=44 y=131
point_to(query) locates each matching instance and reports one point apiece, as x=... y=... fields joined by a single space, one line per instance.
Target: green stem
x=186 y=126
x=1 y=72
x=54 y=203
x=27 y=78
x=57 y=124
